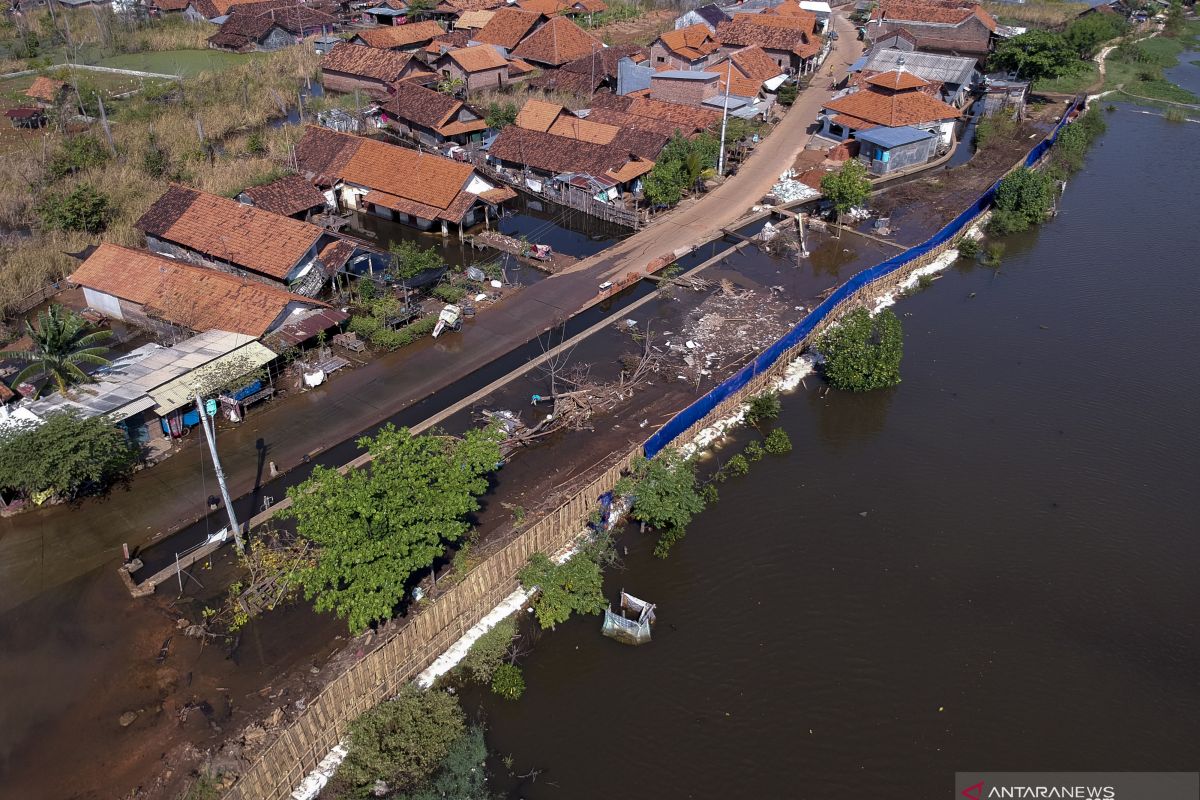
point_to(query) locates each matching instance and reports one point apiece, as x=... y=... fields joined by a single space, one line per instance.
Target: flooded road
x=991 y=566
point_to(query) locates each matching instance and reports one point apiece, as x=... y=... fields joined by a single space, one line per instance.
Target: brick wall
x=684 y=92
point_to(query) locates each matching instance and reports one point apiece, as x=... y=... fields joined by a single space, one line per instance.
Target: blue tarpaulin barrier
x=701 y=407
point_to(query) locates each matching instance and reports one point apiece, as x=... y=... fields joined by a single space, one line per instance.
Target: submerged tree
x=665 y=495
x=847 y=188
x=863 y=352
x=376 y=526
x=66 y=454
x=63 y=341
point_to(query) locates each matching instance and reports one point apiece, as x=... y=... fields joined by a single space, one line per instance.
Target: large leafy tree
x=1035 y=55
x=863 y=352
x=1023 y=198
x=665 y=496
x=374 y=527
x=63 y=341
x=847 y=188
x=409 y=261
x=575 y=586
x=1088 y=32
x=401 y=742
x=66 y=455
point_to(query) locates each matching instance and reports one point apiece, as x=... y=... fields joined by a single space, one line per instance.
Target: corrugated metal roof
x=893 y=137
x=210 y=376
x=929 y=66
x=123 y=385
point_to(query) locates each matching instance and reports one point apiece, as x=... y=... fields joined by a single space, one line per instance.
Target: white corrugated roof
x=209 y=377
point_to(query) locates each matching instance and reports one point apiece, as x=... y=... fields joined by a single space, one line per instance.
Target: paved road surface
x=44 y=548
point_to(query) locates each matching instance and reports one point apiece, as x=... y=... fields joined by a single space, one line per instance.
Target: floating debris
x=626 y=630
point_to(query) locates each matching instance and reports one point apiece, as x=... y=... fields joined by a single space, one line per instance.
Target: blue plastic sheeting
x=701 y=407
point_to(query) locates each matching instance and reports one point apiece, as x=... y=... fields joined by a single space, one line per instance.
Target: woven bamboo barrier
x=381 y=673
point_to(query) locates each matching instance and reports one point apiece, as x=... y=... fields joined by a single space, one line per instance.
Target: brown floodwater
x=990 y=567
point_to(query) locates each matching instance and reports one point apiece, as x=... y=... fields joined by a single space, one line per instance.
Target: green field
x=185 y=63
x=1079 y=80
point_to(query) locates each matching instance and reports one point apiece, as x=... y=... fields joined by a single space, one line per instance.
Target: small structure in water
x=625 y=629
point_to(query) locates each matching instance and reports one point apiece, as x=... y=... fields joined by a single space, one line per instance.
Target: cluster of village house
x=232 y=283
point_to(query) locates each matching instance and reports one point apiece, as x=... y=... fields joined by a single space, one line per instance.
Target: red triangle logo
x=974 y=792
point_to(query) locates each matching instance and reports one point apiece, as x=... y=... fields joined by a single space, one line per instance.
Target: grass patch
x=1087 y=75
x=1039 y=13
x=1137 y=68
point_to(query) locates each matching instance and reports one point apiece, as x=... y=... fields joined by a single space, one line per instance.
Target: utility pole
x=724 y=120
x=212 y=448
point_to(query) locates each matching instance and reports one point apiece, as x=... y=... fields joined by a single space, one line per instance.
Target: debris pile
x=789 y=190
x=724 y=330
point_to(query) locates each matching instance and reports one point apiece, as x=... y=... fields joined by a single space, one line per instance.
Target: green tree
x=489 y=651
x=67 y=454
x=409 y=261
x=1023 y=198
x=374 y=527
x=419 y=9
x=787 y=94
x=847 y=188
x=401 y=742
x=763 y=407
x=63 y=341
x=665 y=495
x=664 y=184
x=508 y=682
x=1035 y=55
x=1085 y=34
x=778 y=443
x=82 y=209
x=574 y=587
x=500 y=115
x=462 y=774
x=862 y=352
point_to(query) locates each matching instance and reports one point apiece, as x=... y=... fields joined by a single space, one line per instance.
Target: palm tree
x=61 y=343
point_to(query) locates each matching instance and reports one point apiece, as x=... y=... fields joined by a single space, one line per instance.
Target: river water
x=990 y=567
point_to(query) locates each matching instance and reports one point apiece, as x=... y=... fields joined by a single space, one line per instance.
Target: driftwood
x=575 y=398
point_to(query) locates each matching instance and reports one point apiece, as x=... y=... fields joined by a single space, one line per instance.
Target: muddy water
x=990 y=567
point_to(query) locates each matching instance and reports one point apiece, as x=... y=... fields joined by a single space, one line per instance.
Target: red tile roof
x=477 y=58
x=753 y=62
x=429 y=109
x=369 y=62
x=558 y=154
x=892 y=109
x=395 y=37
x=193 y=297
x=46 y=89
x=931 y=12
x=233 y=232
x=558 y=41
x=538 y=115
x=897 y=79
x=693 y=42
x=423 y=177
x=508 y=27
x=754 y=29
x=286 y=196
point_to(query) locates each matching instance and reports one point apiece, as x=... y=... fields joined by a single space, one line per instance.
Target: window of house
x=662 y=59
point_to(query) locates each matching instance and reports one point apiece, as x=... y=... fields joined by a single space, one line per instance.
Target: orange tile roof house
x=393 y=182
x=508 y=26
x=657 y=115
x=558 y=41
x=949 y=27
x=167 y=295
x=547 y=155
x=412 y=36
x=291 y=196
x=431 y=118
x=789 y=40
x=350 y=67
x=891 y=99
x=588 y=74
x=480 y=66
x=222 y=233
x=693 y=47
x=263 y=27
